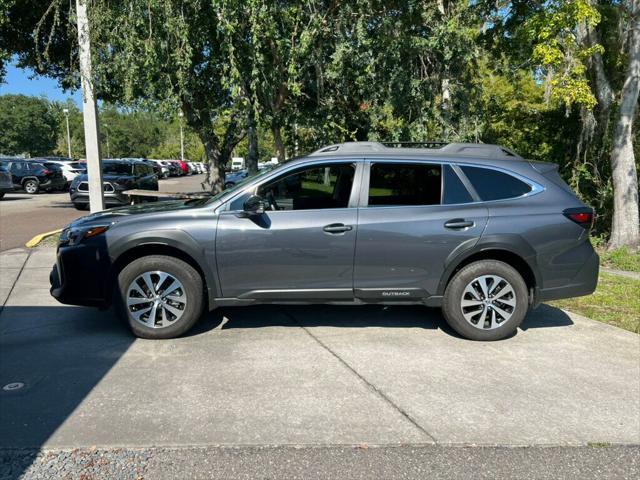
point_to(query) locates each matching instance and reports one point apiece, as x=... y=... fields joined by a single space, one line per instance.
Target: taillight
x=46 y=172
x=582 y=216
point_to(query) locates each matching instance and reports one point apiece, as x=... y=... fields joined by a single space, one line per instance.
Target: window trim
x=353 y=196
x=536 y=188
x=364 y=191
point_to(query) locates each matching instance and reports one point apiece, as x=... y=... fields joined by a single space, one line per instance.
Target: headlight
x=74 y=235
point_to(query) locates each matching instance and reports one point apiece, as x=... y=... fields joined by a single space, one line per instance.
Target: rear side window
x=398 y=184
x=495 y=185
x=454 y=189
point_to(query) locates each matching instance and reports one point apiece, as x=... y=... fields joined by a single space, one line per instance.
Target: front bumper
x=81 y=275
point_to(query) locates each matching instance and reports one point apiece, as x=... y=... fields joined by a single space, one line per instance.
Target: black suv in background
x=33 y=176
x=117 y=177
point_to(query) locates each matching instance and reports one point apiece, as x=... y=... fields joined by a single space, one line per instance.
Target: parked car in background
x=70 y=169
x=174 y=168
x=183 y=167
x=6 y=184
x=162 y=165
x=117 y=176
x=32 y=176
x=157 y=168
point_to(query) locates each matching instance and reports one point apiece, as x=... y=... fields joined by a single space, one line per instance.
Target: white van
x=237 y=163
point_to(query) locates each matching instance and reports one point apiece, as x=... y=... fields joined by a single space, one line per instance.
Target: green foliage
x=517 y=73
x=29 y=125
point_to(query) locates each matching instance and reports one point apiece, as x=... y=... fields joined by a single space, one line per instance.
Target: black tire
x=452 y=309
x=229 y=185
x=81 y=206
x=183 y=272
x=1 y=195
x=32 y=185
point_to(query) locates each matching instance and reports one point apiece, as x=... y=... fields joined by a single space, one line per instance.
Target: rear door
x=414 y=216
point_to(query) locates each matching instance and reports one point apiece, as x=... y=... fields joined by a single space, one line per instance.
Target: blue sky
x=20 y=81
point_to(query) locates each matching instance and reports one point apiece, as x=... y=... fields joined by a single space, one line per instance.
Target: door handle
x=458 y=223
x=337 y=228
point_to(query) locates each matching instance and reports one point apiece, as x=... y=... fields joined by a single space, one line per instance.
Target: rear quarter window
x=495 y=185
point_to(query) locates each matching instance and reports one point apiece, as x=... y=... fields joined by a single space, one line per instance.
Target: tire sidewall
x=181 y=270
x=451 y=301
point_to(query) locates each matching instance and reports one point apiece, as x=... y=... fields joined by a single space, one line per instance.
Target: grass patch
x=616 y=301
x=50 y=241
x=620 y=259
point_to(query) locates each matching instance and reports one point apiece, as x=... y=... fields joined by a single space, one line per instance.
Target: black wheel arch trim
x=175 y=239
x=510 y=243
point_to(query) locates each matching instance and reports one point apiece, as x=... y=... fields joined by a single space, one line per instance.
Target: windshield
x=238 y=186
x=117 y=168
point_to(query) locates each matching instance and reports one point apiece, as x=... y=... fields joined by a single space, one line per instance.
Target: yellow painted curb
x=38 y=238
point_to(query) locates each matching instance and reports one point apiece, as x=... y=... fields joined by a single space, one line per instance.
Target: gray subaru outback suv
x=474 y=229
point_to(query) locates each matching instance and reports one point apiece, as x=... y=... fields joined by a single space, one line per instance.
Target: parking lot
x=22 y=216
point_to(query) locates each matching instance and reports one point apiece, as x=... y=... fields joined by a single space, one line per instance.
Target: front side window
x=495 y=185
x=400 y=184
x=311 y=188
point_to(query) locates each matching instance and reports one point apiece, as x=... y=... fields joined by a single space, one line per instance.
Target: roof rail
x=483 y=150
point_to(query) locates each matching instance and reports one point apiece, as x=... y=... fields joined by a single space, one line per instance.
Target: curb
x=41 y=236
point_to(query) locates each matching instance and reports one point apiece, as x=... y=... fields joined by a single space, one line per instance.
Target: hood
x=113 y=215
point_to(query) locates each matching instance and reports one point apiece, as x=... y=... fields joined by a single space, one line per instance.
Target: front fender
x=173 y=238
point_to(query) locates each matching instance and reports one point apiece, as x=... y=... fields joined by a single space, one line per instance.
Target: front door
x=302 y=247
x=417 y=215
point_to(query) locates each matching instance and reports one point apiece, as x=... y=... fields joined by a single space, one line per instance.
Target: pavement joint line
x=15 y=283
x=371 y=386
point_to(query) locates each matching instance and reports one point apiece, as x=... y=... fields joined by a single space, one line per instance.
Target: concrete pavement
x=305 y=375
x=314 y=376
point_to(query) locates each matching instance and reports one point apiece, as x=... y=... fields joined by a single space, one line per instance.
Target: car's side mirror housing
x=254 y=205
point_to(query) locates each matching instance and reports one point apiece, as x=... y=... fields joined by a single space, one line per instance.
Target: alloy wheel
x=488 y=302
x=156 y=299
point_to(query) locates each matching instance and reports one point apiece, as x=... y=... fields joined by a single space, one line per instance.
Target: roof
x=476 y=150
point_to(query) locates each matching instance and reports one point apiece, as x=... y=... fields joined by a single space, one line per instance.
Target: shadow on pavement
x=11 y=198
x=361 y=316
x=60 y=354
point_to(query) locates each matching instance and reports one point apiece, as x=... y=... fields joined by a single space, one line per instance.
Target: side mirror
x=254 y=205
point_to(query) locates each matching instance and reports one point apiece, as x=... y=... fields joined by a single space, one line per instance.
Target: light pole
x=180 y=115
x=106 y=132
x=66 y=116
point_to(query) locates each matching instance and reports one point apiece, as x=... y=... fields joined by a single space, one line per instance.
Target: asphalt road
x=23 y=216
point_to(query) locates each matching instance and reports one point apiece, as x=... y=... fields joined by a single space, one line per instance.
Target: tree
x=626 y=221
x=29 y=125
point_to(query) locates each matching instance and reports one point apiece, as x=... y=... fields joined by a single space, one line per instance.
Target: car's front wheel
x=160 y=296
x=486 y=300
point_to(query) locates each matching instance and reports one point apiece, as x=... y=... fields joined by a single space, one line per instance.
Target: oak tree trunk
x=625 y=229
x=277 y=140
x=252 y=131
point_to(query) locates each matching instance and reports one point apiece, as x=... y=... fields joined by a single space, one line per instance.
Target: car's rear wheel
x=31 y=186
x=160 y=296
x=486 y=300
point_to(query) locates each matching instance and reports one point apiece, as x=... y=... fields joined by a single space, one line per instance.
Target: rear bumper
x=54 y=183
x=81 y=276
x=583 y=283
